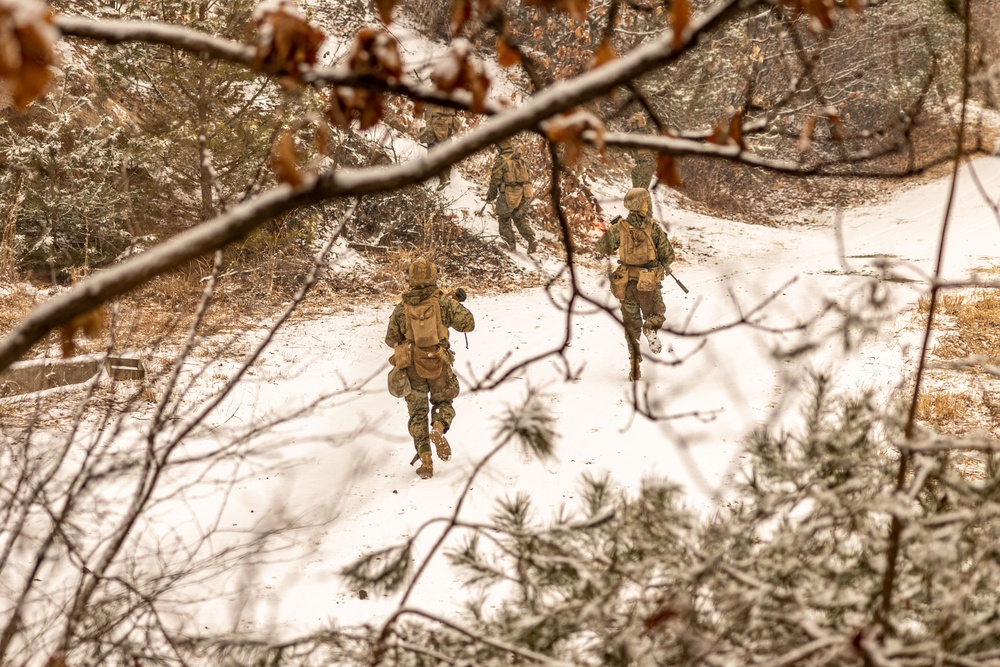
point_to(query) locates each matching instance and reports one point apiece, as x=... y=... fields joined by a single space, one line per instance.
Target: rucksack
x=636 y=247
x=517 y=171
x=424 y=325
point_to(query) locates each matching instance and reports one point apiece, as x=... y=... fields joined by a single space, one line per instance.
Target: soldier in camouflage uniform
x=645 y=160
x=644 y=257
x=440 y=124
x=418 y=334
x=511 y=180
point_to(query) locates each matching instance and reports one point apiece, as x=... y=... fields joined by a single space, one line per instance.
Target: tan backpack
x=425 y=329
x=516 y=178
x=636 y=246
x=517 y=171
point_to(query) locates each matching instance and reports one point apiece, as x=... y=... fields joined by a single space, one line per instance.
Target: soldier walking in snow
x=511 y=180
x=645 y=161
x=644 y=257
x=422 y=359
x=441 y=123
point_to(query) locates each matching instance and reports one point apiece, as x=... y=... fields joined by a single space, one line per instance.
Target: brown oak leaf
x=569 y=129
x=680 y=18
x=285 y=42
x=806 y=134
x=507 y=56
x=376 y=53
x=605 y=53
x=385 y=8
x=284 y=161
x=457 y=70
x=27 y=50
x=346 y=105
x=667 y=172
x=461 y=12
x=89 y=325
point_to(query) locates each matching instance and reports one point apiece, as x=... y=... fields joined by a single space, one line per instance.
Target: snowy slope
x=343 y=468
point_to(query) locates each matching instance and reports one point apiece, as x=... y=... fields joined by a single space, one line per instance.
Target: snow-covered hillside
x=343 y=469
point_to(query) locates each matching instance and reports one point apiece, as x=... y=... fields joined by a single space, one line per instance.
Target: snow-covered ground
x=343 y=470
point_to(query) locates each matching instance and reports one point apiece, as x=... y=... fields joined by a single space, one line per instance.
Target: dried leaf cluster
x=822 y=13
x=458 y=70
x=285 y=42
x=375 y=54
x=27 y=49
x=569 y=130
x=680 y=18
x=88 y=324
x=729 y=131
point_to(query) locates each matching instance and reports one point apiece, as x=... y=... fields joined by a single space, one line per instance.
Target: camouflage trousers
x=430 y=398
x=518 y=217
x=642 y=176
x=641 y=309
x=642 y=172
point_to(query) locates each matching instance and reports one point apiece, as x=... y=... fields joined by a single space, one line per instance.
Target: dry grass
x=946 y=410
x=960 y=401
x=972 y=324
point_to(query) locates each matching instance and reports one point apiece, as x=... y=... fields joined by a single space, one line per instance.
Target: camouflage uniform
x=645 y=160
x=641 y=310
x=501 y=180
x=442 y=389
x=440 y=124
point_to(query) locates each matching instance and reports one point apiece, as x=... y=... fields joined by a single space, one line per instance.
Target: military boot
x=532 y=246
x=654 y=340
x=426 y=469
x=441 y=445
x=508 y=245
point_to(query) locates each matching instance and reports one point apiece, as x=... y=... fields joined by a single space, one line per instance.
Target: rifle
x=679 y=283
x=485 y=204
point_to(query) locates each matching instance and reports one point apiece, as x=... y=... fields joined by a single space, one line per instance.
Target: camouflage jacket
x=453 y=314
x=611 y=239
x=500 y=175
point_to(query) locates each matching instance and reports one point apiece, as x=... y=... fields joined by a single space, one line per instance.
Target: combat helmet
x=422 y=273
x=505 y=144
x=636 y=121
x=638 y=198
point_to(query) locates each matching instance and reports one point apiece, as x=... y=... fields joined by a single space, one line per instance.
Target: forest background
x=175 y=173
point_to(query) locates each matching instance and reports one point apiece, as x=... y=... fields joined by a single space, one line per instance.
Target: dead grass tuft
x=946 y=410
x=960 y=401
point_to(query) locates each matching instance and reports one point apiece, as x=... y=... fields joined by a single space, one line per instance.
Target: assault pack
x=424 y=332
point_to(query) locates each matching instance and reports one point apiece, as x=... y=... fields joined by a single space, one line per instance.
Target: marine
x=440 y=124
x=644 y=258
x=645 y=160
x=511 y=186
x=422 y=359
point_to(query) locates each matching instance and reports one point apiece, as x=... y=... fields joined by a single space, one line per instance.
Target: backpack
x=636 y=246
x=516 y=178
x=425 y=329
x=516 y=172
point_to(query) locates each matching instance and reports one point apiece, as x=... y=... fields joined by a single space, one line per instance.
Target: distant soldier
x=644 y=257
x=440 y=124
x=645 y=160
x=511 y=180
x=422 y=359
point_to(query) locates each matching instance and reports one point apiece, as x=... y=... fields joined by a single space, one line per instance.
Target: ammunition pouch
x=402 y=356
x=619 y=281
x=649 y=279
